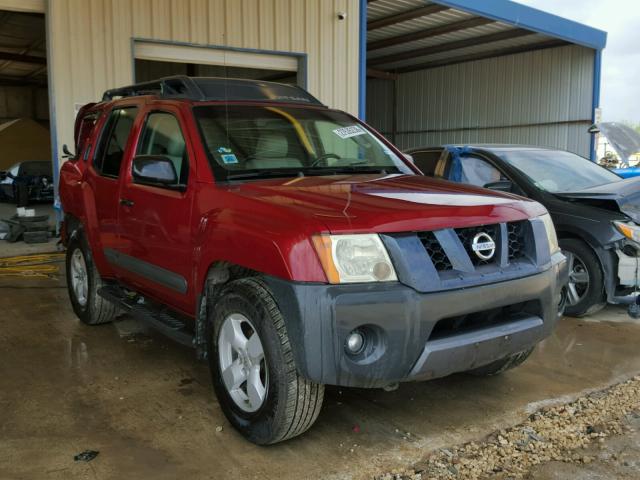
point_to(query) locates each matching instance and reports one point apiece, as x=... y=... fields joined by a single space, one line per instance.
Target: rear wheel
x=252 y=367
x=83 y=283
x=502 y=365
x=585 y=290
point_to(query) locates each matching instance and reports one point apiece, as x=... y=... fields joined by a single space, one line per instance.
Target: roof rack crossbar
x=215 y=89
x=176 y=86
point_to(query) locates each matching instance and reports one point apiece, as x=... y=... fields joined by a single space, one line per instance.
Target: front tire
x=83 y=283
x=252 y=367
x=585 y=290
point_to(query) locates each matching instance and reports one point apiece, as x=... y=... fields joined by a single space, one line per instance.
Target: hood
x=387 y=203
x=623 y=139
x=623 y=196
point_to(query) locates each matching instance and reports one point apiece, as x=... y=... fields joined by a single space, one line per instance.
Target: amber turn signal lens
x=322 y=244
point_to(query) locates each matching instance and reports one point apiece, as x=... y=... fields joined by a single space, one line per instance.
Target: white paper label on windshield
x=348 y=132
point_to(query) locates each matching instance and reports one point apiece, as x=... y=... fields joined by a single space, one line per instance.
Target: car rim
x=578 y=279
x=242 y=363
x=79 y=277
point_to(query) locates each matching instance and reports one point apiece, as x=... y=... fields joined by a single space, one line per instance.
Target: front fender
x=247 y=241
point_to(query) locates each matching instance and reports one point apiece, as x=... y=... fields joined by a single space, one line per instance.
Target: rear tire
x=502 y=365
x=83 y=283
x=243 y=320
x=583 y=298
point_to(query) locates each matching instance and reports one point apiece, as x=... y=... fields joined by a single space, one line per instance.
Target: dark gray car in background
x=596 y=212
x=27 y=182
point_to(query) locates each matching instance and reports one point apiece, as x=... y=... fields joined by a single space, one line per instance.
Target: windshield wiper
x=349 y=169
x=264 y=174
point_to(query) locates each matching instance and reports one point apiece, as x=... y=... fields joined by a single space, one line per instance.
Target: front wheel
x=585 y=289
x=252 y=367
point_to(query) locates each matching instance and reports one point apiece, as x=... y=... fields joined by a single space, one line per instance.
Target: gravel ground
x=573 y=435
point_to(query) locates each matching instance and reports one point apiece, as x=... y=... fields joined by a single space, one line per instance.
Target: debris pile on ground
x=559 y=433
x=86 y=456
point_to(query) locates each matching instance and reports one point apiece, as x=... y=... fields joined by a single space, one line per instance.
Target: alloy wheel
x=578 y=284
x=79 y=277
x=242 y=363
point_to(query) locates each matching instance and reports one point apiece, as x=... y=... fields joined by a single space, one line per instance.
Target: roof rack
x=216 y=89
x=177 y=86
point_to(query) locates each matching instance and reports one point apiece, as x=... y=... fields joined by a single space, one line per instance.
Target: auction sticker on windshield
x=348 y=132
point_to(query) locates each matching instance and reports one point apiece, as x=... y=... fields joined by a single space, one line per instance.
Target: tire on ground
x=502 y=365
x=594 y=299
x=292 y=403
x=96 y=309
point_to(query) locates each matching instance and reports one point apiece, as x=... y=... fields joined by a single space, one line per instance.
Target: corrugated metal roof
x=463 y=36
x=440 y=39
x=383 y=8
x=513 y=42
x=418 y=24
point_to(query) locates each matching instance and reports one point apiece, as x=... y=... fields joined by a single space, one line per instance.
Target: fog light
x=355 y=342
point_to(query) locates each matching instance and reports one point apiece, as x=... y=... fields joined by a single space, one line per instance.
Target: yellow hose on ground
x=40 y=265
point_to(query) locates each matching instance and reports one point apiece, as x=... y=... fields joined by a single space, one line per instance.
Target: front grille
x=516 y=235
x=435 y=251
x=516 y=242
x=466 y=236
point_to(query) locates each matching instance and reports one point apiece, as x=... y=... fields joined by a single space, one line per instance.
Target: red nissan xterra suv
x=292 y=246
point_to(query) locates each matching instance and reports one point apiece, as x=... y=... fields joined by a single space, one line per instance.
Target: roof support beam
x=6 y=80
x=381 y=74
x=17 y=57
x=445 y=47
x=501 y=52
x=405 y=16
x=429 y=32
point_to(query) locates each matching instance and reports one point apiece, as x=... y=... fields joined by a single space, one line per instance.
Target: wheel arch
x=604 y=256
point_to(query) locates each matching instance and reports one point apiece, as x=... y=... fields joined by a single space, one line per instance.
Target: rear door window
x=85 y=129
x=113 y=142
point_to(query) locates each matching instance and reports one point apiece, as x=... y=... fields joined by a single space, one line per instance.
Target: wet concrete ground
x=148 y=406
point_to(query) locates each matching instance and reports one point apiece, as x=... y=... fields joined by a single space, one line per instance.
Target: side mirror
x=154 y=170
x=409 y=158
x=67 y=153
x=3 y=176
x=500 y=186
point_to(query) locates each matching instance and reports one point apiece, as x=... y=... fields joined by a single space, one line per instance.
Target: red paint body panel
x=264 y=225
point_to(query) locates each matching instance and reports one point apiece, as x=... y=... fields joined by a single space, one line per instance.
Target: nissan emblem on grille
x=483 y=246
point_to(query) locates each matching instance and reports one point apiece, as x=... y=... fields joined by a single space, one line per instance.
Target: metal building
x=424 y=72
x=463 y=71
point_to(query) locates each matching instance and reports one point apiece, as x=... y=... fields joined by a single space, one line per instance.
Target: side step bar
x=158 y=317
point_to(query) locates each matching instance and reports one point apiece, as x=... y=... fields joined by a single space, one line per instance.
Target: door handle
x=126 y=203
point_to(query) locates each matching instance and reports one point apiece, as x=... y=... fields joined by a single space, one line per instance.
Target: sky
x=620 y=94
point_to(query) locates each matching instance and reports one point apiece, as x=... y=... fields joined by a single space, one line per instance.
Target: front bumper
x=401 y=322
x=628 y=269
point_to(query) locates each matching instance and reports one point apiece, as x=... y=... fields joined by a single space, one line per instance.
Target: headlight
x=629 y=230
x=354 y=258
x=551 y=233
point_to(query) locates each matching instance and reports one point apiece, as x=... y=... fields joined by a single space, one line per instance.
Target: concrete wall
x=537 y=98
x=90 y=42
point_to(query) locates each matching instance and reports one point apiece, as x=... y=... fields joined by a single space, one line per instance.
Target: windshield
x=558 y=172
x=266 y=141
